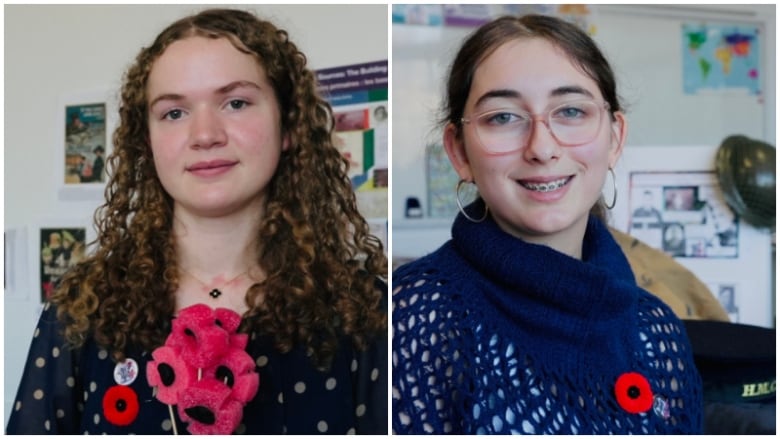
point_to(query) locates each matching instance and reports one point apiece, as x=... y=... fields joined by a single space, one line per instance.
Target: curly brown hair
x=322 y=264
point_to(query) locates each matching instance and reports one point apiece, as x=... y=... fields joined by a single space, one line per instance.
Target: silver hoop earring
x=614 y=190
x=460 y=204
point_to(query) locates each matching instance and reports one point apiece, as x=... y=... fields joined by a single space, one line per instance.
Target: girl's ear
x=619 y=133
x=456 y=151
x=285 y=142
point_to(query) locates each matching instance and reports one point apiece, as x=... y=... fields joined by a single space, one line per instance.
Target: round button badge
x=126 y=372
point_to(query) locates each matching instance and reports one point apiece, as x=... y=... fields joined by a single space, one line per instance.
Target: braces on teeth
x=546 y=187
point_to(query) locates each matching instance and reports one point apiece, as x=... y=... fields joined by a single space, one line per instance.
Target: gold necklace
x=215 y=291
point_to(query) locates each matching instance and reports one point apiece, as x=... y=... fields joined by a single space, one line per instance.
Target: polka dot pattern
x=291 y=388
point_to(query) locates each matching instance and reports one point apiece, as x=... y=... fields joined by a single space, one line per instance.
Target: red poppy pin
x=633 y=393
x=120 y=405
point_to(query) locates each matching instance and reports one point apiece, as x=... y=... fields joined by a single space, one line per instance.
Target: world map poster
x=721 y=57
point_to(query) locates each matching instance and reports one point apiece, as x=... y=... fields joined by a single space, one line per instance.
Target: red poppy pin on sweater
x=633 y=393
x=203 y=370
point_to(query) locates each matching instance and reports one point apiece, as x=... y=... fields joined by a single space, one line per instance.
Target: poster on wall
x=86 y=123
x=85 y=140
x=728 y=295
x=683 y=214
x=669 y=197
x=721 y=58
x=60 y=248
x=474 y=15
x=441 y=180
x=358 y=95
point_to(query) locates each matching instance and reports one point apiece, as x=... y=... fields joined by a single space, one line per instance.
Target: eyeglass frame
x=544 y=118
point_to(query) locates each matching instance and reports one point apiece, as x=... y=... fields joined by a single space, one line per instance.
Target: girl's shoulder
x=432 y=283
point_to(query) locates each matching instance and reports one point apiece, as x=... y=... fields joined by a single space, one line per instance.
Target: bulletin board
x=645 y=45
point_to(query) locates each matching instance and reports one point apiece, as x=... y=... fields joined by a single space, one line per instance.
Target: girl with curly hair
x=226 y=190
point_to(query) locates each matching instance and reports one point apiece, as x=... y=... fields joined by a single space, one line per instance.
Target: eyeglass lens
x=508 y=129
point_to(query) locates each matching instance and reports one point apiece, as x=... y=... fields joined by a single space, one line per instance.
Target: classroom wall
x=51 y=51
x=644 y=45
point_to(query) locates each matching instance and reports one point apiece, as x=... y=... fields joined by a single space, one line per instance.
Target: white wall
x=55 y=50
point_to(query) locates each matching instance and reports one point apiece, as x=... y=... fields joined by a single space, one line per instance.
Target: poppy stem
x=173 y=420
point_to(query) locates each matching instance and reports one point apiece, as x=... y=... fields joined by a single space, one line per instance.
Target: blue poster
x=719 y=57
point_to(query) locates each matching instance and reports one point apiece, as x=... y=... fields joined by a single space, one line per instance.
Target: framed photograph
x=85 y=124
x=682 y=213
x=54 y=247
x=670 y=198
x=729 y=297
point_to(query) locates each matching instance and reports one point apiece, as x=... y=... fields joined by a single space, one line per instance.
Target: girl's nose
x=207 y=130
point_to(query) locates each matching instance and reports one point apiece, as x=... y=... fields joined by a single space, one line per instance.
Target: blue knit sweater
x=495 y=335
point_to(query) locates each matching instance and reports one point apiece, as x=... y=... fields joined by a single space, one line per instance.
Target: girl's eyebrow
x=221 y=90
x=165 y=97
x=499 y=93
x=570 y=89
x=556 y=92
x=237 y=84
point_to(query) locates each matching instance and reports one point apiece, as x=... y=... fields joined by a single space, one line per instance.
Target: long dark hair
x=481 y=43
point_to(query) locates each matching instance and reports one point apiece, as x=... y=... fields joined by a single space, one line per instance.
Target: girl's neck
x=210 y=247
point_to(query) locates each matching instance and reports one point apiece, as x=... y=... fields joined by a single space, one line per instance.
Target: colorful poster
x=358 y=83
x=358 y=95
x=85 y=143
x=60 y=249
x=721 y=57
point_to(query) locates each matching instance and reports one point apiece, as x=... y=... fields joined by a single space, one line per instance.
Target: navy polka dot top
x=66 y=391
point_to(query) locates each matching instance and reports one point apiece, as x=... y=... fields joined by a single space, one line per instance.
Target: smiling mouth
x=547 y=186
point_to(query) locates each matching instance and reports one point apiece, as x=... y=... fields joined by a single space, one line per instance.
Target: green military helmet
x=746 y=172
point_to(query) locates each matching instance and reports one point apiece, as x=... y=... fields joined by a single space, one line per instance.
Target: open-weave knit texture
x=493 y=335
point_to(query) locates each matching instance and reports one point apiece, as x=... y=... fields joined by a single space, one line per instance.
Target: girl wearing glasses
x=529 y=319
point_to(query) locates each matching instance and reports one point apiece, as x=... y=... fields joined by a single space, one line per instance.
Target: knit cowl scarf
x=578 y=310
x=492 y=334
